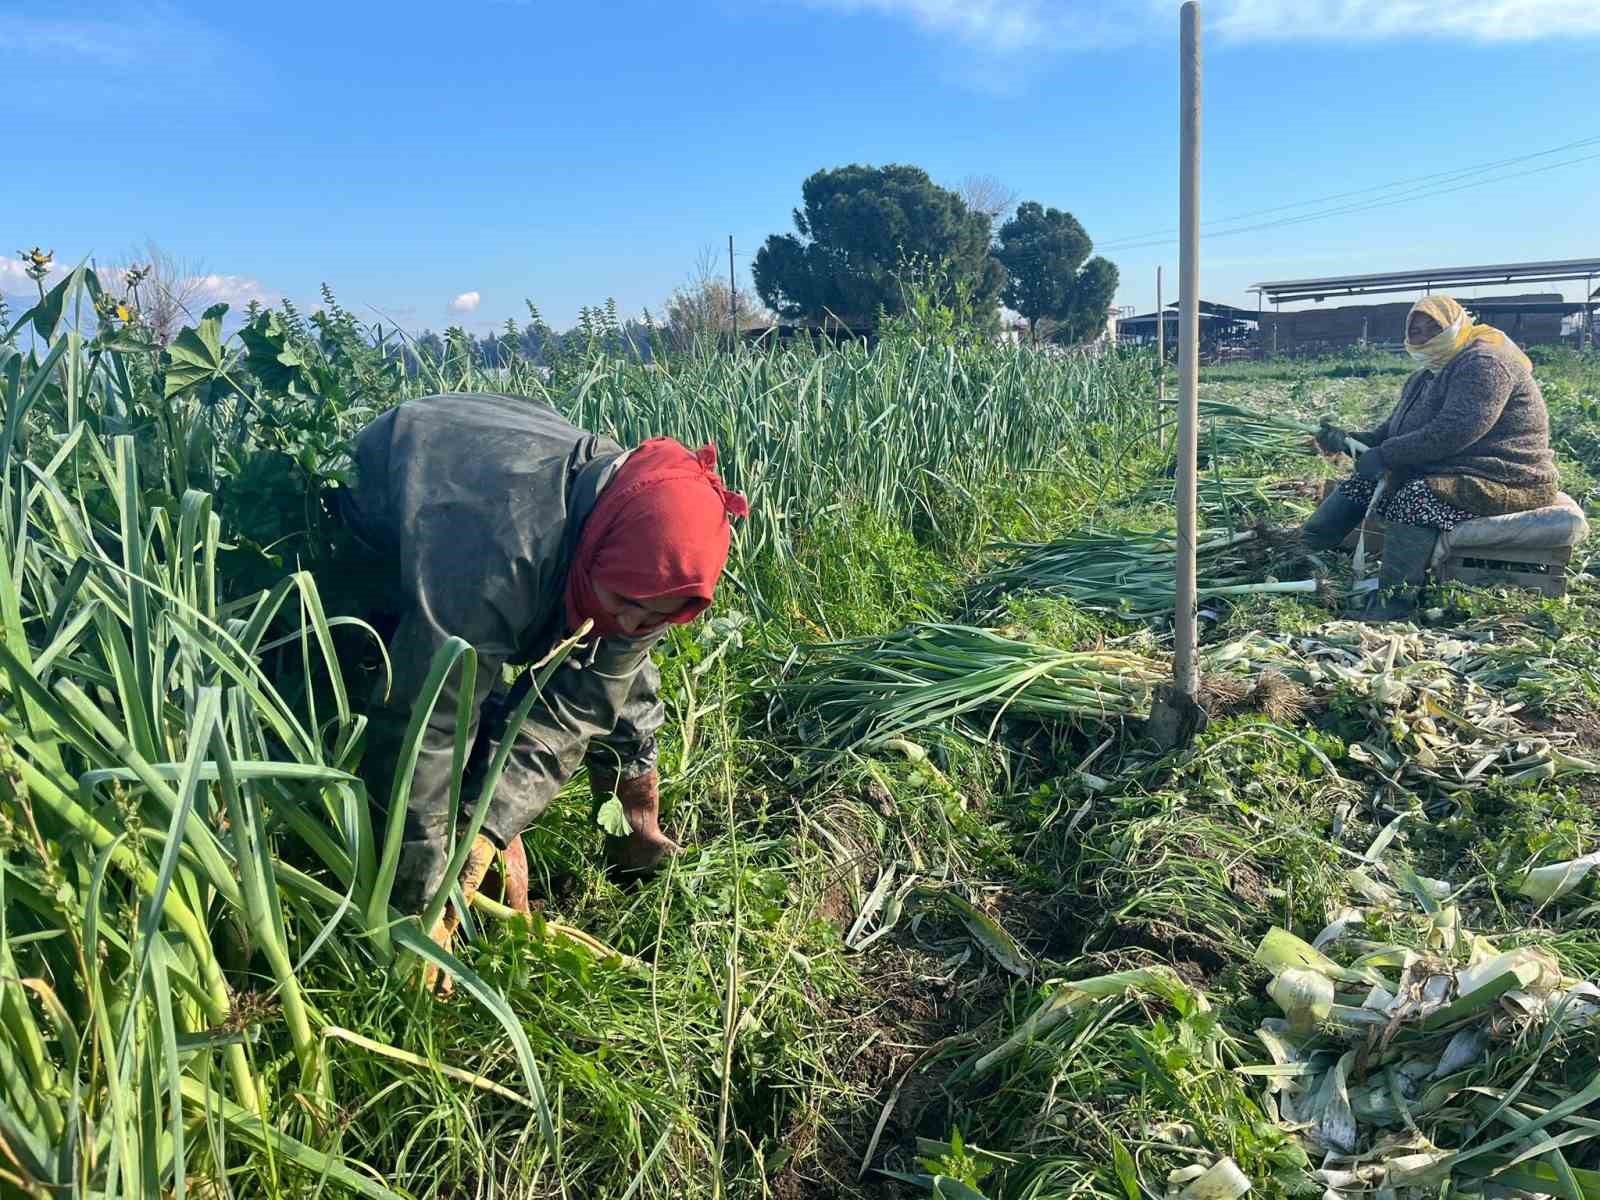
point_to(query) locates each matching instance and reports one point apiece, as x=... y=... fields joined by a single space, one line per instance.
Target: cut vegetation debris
x=1430 y=724
x=1428 y=1055
x=899 y=892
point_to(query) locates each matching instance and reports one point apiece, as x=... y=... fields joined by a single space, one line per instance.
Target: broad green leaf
x=196 y=355
x=612 y=819
x=272 y=359
x=46 y=315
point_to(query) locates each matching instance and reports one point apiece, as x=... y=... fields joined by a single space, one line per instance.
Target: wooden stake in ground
x=1177 y=715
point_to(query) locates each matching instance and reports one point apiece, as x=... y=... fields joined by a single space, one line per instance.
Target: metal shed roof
x=1170 y=317
x=1212 y=309
x=1546 y=308
x=1410 y=281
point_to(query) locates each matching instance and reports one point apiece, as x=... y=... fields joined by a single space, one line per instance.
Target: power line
x=1408 y=198
x=1437 y=177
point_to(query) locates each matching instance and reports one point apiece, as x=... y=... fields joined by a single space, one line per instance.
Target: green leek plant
x=908 y=432
x=177 y=840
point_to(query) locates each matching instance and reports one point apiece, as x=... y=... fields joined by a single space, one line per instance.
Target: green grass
x=816 y=993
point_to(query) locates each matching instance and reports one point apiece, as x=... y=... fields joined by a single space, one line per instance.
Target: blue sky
x=409 y=153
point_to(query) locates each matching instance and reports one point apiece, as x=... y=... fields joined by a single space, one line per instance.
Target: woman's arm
x=630 y=748
x=1474 y=399
x=613 y=699
x=1372 y=437
x=1380 y=433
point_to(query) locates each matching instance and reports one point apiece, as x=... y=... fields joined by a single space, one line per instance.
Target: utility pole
x=733 y=297
x=1177 y=715
x=1161 y=363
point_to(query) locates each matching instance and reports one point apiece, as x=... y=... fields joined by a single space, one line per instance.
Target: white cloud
x=234 y=290
x=199 y=292
x=1017 y=28
x=146 y=47
x=1009 y=27
x=1365 y=20
x=991 y=24
x=14 y=275
x=466 y=302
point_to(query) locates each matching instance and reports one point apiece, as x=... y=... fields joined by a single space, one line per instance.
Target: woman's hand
x=1371 y=465
x=1330 y=439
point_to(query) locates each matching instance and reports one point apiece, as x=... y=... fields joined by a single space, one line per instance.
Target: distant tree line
x=599 y=328
x=869 y=243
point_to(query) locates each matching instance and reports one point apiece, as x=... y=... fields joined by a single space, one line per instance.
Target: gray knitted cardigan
x=1481 y=416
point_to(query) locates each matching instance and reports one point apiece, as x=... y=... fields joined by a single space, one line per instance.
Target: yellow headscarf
x=1458 y=331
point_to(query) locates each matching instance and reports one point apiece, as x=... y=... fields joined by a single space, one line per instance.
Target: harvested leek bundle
x=1234 y=431
x=1129 y=572
x=1220 y=498
x=868 y=691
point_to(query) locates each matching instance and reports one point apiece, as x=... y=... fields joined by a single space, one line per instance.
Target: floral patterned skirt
x=1414 y=504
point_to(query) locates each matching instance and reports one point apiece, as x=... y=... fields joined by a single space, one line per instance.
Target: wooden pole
x=1186 y=675
x=1176 y=715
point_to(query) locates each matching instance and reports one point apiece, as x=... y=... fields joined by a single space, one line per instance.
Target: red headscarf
x=659 y=531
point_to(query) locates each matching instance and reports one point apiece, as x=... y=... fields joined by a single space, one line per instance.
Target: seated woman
x=1469 y=438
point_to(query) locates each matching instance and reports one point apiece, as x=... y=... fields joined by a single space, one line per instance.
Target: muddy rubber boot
x=514 y=885
x=643 y=851
x=443 y=933
x=507 y=880
x=1332 y=522
x=1407 y=552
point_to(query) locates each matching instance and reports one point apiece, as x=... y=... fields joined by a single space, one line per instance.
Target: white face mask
x=1437 y=350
